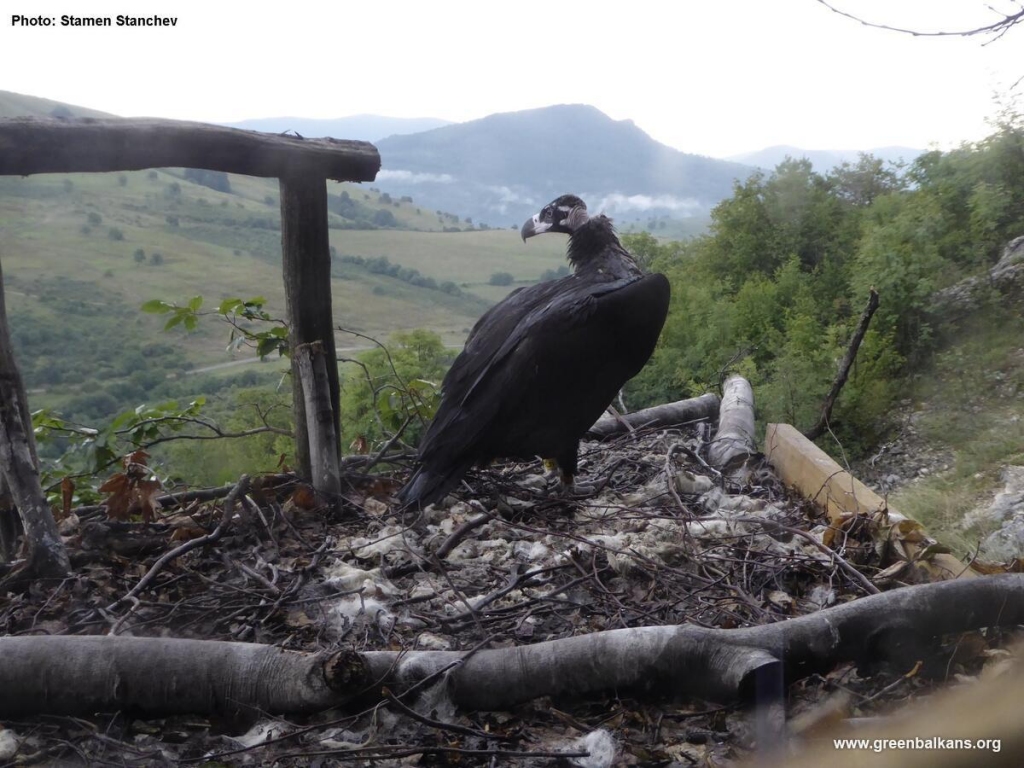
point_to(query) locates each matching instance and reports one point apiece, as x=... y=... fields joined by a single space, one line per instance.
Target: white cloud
x=414 y=178
x=625 y=203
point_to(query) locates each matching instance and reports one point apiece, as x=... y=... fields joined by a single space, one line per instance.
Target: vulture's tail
x=428 y=485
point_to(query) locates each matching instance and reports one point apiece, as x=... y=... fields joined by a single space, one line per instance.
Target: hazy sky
x=715 y=77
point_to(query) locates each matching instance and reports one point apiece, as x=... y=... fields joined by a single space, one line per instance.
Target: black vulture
x=541 y=366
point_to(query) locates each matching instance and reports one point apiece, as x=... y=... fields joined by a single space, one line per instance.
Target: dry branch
x=844 y=368
x=659 y=417
x=50 y=145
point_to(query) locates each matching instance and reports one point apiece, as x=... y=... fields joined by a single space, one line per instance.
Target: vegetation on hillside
x=775 y=288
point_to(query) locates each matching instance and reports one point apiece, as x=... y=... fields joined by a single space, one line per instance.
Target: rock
x=1007 y=508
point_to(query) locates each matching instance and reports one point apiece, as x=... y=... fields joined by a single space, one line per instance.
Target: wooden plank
x=306 y=264
x=52 y=145
x=816 y=476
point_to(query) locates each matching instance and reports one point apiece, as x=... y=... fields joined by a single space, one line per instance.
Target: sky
x=712 y=77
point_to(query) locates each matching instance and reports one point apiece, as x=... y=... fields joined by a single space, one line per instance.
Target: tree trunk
x=46 y=557
x=158 y=676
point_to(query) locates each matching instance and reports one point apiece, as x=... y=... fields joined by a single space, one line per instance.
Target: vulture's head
x=564 y=214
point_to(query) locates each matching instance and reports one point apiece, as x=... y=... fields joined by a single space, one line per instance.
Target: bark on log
x=158 y=676
x=46 y=557
x=816 y=476
x=733 y=444
x=660 y=416
x=155 y=676
x=320 y=418
x=50 y=145
x=306 y=263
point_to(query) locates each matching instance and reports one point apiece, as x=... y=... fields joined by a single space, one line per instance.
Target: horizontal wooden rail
x=31 y=145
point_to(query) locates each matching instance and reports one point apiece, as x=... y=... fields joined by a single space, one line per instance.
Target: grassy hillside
x=20 y=105
x=81 y=252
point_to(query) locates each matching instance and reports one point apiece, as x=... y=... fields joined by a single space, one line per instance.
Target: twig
x=463 y=530
x=229 y=506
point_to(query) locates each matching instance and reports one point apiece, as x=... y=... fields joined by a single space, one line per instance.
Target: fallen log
x=158 y=676
x=659 y=416
x=733 y=445
x=816 y=476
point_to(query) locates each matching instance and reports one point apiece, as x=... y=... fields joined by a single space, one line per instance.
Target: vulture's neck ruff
x=595 y=251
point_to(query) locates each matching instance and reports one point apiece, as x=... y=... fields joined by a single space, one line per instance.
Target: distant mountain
x=500 y=169
x=359 y=127
x=823 y=160
x=19 y=105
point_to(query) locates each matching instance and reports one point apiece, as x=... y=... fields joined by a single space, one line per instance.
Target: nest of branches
x=663 y=540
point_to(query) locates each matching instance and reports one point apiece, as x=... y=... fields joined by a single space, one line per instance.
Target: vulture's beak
x=533 y=227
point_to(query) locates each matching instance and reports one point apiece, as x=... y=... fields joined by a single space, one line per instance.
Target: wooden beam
x=816 y=476
x=306 y=263
x=53 y=145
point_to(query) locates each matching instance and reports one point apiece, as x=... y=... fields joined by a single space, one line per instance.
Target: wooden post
x=306 y=263
x=313 y=366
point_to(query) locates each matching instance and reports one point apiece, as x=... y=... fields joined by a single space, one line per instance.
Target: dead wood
x=80 y=145
x=658 y=417
x=815 y=475
x=733 y=445
x=160 y=675
x=240 y=489
x=844 y=368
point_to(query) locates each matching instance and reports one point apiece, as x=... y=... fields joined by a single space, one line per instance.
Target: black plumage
x=540 y=367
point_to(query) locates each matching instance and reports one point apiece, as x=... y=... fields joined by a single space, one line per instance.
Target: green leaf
x=191 y=321
x=229 y=305
x=195 y=303
x=174 y=321
x=157 y=307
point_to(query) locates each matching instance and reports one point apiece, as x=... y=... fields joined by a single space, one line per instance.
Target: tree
x=502 y=278
x=19 y=471
x=139 y=255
